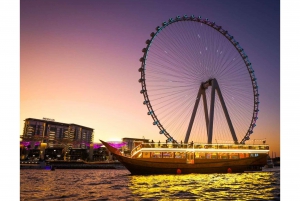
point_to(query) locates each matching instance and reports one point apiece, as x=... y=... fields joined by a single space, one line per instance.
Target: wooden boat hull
x=173 y=166
x=143 y=166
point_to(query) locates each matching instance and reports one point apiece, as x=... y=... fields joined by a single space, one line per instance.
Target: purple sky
x=80 y=60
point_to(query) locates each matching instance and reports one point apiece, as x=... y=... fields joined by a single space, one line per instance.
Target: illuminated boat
x=168 y=158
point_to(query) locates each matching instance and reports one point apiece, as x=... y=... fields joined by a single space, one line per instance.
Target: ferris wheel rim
x=231 y=39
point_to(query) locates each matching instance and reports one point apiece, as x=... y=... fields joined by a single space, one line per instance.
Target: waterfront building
x=34 y=154
x=78 y=154
x=54 y=153
x=98 y=152
x=56 y=133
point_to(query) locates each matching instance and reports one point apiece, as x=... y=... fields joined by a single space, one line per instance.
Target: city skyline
x=80 y=61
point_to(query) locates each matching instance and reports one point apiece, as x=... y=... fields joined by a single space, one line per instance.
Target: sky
x=79 y=60
x=41 y=49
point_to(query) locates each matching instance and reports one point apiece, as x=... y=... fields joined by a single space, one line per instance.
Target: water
x=68 y=184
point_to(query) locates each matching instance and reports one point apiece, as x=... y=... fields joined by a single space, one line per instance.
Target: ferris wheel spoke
x=171 y=77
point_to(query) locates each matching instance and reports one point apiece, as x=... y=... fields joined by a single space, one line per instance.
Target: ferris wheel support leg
x=226 y=114
x=211 y=112
x=188 y=132
x=205 y=110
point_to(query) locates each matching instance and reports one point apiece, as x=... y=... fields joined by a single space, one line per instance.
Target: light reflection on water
x=242 y=186
x=63 y=184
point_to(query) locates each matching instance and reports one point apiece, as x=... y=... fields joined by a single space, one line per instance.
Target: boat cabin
x=190 y=152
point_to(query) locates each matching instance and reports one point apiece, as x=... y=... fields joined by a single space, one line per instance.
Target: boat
x=270 y=163
x=33 y=164
x=173 y=158
x=276 y=161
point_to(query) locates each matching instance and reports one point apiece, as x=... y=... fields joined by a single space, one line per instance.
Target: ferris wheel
x=198 y=83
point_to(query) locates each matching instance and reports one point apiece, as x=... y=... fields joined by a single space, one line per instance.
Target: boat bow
x=112 y=149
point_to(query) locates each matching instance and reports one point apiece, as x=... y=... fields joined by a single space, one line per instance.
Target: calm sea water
x=68 y=184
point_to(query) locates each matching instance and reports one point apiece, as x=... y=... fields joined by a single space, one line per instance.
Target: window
x=223 y=156
x=156 y=155
x=211 y=155
x=199 y=155
x=167 y=154
x=234 y=156
x=214 y=156
x=243 y=155
x=180 y=155
x=146 y=154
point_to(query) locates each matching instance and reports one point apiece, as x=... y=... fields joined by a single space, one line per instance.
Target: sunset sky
x=79 y=60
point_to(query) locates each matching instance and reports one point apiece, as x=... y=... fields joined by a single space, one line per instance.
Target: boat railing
x=199 y=146
x=137 y=148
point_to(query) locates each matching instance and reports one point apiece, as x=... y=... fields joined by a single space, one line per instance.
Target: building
x=53 y=153
x=131 y=144
x=57 y=133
